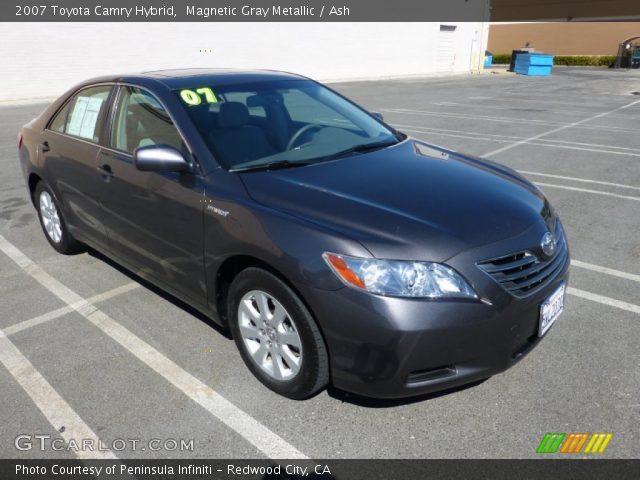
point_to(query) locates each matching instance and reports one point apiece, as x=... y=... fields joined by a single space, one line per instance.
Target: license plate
x=551 y=309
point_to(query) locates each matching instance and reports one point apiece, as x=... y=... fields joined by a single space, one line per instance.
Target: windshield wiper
x=362 y=148
x=270 y=166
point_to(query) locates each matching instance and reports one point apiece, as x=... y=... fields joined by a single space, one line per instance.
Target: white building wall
x=45 y=59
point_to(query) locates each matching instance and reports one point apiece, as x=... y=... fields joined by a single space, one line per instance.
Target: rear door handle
x=44 y=146
x=106 y=172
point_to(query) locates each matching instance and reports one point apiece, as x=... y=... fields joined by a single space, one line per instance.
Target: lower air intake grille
x=523 y=273
x=431 y=374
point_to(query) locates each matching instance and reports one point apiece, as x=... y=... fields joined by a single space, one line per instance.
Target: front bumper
x=397 y=347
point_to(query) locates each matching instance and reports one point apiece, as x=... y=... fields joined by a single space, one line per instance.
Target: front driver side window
x=140 y=121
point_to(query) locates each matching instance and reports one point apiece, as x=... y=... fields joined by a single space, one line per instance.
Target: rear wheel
x=277 y=337
x=53 y=225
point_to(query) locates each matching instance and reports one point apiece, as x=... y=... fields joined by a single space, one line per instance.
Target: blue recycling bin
x=488 y=61
x=534 y=64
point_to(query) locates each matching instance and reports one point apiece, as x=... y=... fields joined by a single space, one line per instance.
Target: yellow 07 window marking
x=194 y=98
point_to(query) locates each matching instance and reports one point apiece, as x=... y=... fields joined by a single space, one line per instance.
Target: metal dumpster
x=538 y=64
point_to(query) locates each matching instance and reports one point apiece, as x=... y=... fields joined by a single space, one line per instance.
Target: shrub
x=573 y=60
x=502 y=58
x=585 y=60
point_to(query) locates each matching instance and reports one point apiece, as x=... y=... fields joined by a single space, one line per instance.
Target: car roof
x=188 y=77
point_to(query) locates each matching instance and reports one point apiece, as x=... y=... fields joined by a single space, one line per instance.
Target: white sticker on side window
x=84 y=117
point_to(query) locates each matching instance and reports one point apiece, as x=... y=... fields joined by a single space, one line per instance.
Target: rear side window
x=60 y=120
x=85 y=113
x=141 y=120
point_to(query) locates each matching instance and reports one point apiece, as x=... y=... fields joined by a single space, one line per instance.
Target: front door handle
x=44 y=146
x=106 y=172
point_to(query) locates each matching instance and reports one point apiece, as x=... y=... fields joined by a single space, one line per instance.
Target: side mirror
x=159 y=158
x=378 y=115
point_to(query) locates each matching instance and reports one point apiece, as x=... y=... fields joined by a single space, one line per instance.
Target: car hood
x=409 y=201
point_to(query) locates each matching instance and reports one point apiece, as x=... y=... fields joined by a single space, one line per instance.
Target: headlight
x=400 y=278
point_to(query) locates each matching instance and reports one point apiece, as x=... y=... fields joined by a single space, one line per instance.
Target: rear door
x=69 y=154
x=154 y=220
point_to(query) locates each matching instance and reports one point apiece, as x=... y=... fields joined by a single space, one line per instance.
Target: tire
x=285 y=350
x=52 y=223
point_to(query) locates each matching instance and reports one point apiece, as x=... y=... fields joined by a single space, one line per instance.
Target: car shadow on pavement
x=158 y=291
x=369 y=402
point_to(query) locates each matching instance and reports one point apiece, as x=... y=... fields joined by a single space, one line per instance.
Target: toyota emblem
x=548 y=244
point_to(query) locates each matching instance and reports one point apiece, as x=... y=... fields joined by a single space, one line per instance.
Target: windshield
x=284 y=123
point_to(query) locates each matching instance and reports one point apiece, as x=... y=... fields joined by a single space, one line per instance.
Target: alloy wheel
x=50 y=217
x=270 y=335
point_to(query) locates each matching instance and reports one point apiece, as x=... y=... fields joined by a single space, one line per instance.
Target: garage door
x=446 y=56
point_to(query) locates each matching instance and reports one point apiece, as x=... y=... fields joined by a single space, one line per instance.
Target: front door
x=153 y=219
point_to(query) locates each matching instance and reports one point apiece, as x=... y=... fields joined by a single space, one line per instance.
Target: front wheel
x=278 y=338
x=53 y=225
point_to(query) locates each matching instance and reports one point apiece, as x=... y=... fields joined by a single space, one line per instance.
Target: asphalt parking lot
x=125 y=362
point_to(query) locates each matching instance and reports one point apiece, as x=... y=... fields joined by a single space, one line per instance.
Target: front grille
x=522 y=274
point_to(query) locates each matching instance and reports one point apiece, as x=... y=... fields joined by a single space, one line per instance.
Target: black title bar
x=243 y=10
x=317 y=10
x=320 y=469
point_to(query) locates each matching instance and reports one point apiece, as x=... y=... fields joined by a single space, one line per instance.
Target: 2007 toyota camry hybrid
x=335 y=248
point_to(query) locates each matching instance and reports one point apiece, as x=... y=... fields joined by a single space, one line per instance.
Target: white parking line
x=521 y=108
x=510 y=120
x=611 y=302
x=605 y=270
x=248 y=427
x=47 y=317
x=587 y=190
x=474 y=135
x=583 y=180
x=564 y=187
x=544 y=98
x=465 y=116
x=50 y=403
x=539 y=143
x=559 y=129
